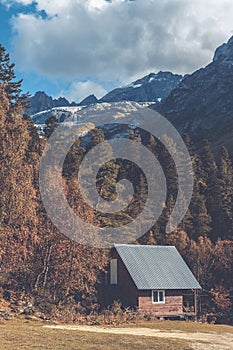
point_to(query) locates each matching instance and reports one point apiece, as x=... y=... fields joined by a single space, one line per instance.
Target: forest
x=61 y=276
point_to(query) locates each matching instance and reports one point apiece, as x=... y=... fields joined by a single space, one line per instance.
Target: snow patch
x=137 y=86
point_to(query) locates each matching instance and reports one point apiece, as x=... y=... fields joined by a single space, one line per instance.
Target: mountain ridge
x=150 y=88
x=202 y=103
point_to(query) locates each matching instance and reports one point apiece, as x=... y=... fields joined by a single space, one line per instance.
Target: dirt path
x=198 y=341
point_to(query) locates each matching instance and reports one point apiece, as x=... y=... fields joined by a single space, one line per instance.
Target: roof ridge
x=143 y=245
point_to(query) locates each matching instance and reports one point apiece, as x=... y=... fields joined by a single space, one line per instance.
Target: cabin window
x=113 y=271
x=158 y=296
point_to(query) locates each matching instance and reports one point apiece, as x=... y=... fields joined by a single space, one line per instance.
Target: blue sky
x=73 y=48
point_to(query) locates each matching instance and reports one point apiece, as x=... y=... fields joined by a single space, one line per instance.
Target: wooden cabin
x=150 y=278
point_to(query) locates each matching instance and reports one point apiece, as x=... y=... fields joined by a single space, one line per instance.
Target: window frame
x=158 y=291
x=113 y=271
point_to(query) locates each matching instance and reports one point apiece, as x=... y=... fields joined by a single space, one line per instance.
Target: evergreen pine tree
x=225 y=195
x=11 y=87
x=201 y=220
x=51 y=124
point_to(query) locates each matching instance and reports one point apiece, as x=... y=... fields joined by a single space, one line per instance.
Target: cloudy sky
x=77 y=47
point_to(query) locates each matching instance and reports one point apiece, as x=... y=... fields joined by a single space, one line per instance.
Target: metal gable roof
x=156 y=267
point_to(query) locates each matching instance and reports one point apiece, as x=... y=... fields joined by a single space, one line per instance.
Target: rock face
x=224 y=53
x=151 y=88
x=89 y=100
x=40 y=102
x=202 y=103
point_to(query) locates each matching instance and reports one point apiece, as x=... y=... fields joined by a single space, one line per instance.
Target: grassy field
x=22 y=334
x=185 y=326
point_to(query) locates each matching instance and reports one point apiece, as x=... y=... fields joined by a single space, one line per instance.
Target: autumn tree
x=18 y=194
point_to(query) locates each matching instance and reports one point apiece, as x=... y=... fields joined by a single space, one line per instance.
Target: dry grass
x=28 y=335
x=186 y=326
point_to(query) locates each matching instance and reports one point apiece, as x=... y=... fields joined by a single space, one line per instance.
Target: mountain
x=202 y=103
x=73 y=112
x=41 y=101
x=151 y=88
x=77 y=113
x=89 y=100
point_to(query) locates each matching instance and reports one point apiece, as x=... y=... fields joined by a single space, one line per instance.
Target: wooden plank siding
x=173 y=303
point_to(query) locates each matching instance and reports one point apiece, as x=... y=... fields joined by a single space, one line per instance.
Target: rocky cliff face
x=89 y=100
x=202 y=103
x=151 y=88
x=224 y=53
x=40 y=102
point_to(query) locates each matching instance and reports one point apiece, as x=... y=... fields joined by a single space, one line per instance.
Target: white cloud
x=120 y=39
x=79 y=90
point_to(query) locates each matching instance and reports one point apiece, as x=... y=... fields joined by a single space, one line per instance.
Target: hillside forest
x=61 y=276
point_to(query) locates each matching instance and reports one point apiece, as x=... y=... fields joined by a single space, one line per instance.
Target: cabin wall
x=173 y=303
x=124 y=291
